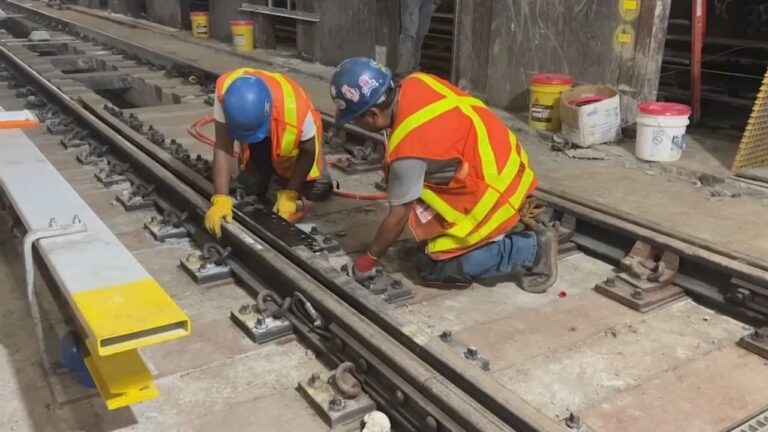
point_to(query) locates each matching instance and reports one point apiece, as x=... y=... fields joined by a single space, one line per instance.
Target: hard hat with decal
x=247 y=106
x=357 y=85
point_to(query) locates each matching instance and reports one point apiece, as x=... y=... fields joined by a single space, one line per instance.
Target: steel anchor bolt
x=336 y=404
x=760 y=334
x=573 y=421
x=610 y=282
x=638 y=294
x=315 y=380
x=471 y=353
x=446 y=336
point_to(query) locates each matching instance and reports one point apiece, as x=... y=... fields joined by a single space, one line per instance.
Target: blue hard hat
x=247 y=106
x=357 y=85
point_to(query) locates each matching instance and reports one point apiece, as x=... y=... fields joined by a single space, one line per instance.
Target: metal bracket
x=77 y=139
x=756 y=342
x=645 y=282
x=138 y=197
x=327 y=243
x=337 y=397
x=259 y=323
x=384 y=285
x=470 y=353
x=208 y=266
x=52 y=230
x=363 y=158
x=60 y=126
x=35 y=102
x=113 y=174
x=93 y=155
x=170 y=226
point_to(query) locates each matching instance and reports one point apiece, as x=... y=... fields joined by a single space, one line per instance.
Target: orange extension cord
x=195 y=132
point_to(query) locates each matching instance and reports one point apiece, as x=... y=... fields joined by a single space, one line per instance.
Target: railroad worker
x=279 y=131
x=455 y=174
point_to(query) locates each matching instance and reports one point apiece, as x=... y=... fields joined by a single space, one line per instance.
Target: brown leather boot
x=543 y=272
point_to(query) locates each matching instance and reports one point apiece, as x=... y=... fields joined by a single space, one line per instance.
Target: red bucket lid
x=586 y=100
x=552 y=79
x=664 y=109
x=241 y=22
x=198 y=13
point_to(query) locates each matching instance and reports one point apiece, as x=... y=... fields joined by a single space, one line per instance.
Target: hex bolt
x=261 y=323
x=244 y=309
x=396 y=283
x=446 y=336
x=399 y=397
x=362 y=365
x=638 y=294
x=76 y=220
x=573 y=421
x=52 y=223
x=430 y=424
x=193 y=259
x=610 y=282
x=327 y=240
x=314 y=230
x=336 y=404
x=760 y=334
x=471 y=353
x=315 y=380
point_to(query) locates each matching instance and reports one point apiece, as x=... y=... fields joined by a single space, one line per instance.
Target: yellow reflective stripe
x=467 y=104
x=288 y=147
x=513 y=163
x=315 y=171
x=237 y=73
x=446 y=211
x=417 y=119
x=446 y=242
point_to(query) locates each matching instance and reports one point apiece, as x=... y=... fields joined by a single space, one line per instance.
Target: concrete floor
x=569 y=350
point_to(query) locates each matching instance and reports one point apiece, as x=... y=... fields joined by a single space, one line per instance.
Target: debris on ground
x=590 y=154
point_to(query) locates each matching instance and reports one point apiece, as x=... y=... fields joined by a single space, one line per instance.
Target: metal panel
x=119 y=305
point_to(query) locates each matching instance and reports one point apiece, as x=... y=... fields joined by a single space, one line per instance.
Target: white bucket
x=660 y=138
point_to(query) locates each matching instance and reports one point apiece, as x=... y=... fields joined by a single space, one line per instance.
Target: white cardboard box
x=594 y=123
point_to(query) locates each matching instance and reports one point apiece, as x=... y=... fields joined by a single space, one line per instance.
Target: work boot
x=543 y=272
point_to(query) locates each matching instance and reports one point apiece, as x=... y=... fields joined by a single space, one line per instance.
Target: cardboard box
x=593 y=123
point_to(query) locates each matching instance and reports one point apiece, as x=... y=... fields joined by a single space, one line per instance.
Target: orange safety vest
x=437 y=121
x=290 y=106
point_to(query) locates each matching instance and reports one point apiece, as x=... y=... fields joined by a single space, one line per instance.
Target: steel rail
x=455 y=410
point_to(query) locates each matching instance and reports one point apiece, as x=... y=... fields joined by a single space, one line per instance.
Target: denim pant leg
x=415 y=17
x=502 y=257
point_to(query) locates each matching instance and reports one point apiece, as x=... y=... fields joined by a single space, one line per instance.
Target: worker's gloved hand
x=364 y=268
x=286 y=203
x=221 y=208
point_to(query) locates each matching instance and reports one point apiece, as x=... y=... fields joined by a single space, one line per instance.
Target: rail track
x=431 y=360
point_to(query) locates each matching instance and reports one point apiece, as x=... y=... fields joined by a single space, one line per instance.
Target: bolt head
x=261 y=323
x=638 y=294
x=573 y=421
x=336 y=404
x=610 y=282
x=471 y=353
x=315 y=380
x=52 y=223
x=760 y=334
x=446 y=336
x=244 y=309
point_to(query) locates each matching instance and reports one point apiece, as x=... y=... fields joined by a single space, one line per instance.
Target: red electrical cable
x=195 y=132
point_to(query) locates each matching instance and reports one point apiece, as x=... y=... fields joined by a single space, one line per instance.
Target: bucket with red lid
x=544 y=106
x=661 y=130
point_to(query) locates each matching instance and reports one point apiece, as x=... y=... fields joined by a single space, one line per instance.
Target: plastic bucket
x=544 y=106
x=661 y=131
x=242 y=34
x=200 y=27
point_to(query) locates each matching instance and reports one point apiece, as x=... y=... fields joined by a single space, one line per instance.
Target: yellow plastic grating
x=753 y=148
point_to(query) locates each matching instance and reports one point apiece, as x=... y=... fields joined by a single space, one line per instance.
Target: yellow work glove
x=221 y=208
x=286 y=203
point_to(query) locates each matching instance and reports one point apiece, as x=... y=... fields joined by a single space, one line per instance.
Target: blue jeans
x=415 y=18
x=500 y=258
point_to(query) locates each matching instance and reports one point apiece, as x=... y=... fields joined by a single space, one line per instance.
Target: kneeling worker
x=279 y=131
x=456 y=175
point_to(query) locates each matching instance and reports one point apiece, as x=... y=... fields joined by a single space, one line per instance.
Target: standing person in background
x=415 y=18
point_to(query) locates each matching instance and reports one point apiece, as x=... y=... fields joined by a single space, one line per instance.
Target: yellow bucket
x=242 y=34
x=544 y=107
x=199 y=22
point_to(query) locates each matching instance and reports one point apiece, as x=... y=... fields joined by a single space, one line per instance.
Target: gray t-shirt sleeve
x=406 y=180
